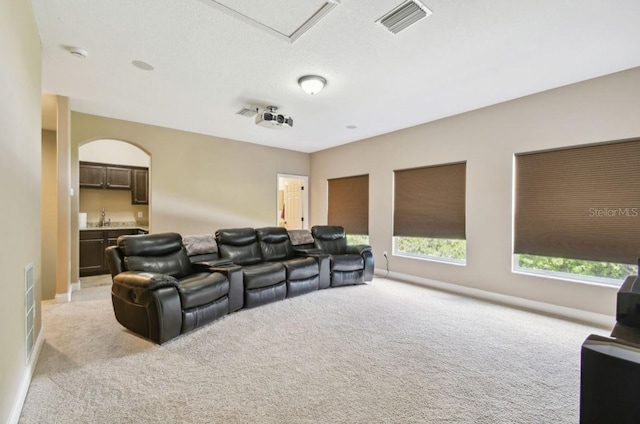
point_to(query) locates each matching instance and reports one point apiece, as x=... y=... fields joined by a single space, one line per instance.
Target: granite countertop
x=132 y=227
x=115 y=226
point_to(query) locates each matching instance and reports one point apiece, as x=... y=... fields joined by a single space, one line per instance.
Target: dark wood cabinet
x=118 y=177
x=92 y=175
x=92 y=246
x=140 y=189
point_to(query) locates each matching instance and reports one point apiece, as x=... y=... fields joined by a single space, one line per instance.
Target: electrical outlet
x=384 y=253
x=140 y=214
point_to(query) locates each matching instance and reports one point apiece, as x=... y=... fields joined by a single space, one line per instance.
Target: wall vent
x=30 y=309
x=403 y=16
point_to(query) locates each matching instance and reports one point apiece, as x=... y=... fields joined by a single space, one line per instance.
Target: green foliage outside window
x=441 y=248
x=355 y=239
x=577 y=266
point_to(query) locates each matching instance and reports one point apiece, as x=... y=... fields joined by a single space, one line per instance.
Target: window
x=429 y=212
x=349 y=204
x=577 y=211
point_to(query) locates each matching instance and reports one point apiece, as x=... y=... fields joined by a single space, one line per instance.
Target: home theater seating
x=165 y=285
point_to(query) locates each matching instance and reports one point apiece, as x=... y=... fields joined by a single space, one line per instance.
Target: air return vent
x=249 y=112
x=29 y=309
x=403 y=16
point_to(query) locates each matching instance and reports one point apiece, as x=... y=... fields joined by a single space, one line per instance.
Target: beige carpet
x=384 y=352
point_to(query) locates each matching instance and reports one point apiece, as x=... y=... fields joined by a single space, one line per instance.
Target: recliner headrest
x=150 y=244
x=272 y=234
x=328 y=232
x=236 y=236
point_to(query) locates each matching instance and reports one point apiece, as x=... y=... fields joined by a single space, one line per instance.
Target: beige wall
x=113 y=151
x=200 y=183
x=20 y=161
x=63 y=268
x=116 y=203
x=602 y=109
x=49 y=214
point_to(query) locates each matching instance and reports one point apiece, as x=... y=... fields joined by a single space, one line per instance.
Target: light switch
x=140 y=214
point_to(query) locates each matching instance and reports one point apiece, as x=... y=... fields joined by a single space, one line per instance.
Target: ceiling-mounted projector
x=272 y=119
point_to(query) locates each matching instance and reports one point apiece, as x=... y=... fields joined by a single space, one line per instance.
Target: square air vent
x=403 y=16
x=248 y=112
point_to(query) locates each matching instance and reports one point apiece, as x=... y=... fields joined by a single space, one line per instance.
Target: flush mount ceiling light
x=312 y=84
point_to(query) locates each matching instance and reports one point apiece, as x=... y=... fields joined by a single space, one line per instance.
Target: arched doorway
x=120 y=208
x=113 y=199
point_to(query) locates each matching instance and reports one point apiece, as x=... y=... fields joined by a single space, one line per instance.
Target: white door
x=292 y=201
x=292 y=211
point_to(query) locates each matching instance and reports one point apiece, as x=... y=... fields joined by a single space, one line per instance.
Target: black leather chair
x=306 y=272
x=264 y=282
x=156 y=291
x=349 y=264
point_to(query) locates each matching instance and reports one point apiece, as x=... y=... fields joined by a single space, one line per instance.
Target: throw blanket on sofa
x=299 y=237
x=200 y=244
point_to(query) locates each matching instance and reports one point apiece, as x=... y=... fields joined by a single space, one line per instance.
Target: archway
x=116 y=202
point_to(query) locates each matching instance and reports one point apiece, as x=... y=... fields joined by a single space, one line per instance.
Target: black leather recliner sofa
x=272 y=269
x=165 y=285
x=158 y=294
x=349 y=264
x=306 y=270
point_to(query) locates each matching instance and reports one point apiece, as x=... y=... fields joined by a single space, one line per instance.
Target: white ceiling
x=209 y=63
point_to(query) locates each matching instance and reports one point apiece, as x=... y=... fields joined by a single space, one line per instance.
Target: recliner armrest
x=148 y=280
x=308 y=251
x=358 y=249
x=208 y=265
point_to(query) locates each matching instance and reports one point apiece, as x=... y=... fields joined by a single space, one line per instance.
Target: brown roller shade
x=430 y=202
x=349 y=204
x=580 y=203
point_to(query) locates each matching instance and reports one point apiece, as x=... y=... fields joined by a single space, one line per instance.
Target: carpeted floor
x=386 y=352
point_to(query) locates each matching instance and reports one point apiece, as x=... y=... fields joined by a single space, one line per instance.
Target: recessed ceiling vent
x=249 y=111
x=403 y=16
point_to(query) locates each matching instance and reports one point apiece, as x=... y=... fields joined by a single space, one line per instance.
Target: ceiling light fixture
x=312 y=84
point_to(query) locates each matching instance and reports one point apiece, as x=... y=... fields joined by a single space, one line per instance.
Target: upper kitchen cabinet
x=140 y=190
x=118 y=177
x=92 y=175
x=96 y=175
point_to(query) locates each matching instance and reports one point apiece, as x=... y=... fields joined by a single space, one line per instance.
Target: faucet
x=102 y=218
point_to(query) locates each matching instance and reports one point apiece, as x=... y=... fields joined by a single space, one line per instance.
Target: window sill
x=609 y=283
x=448 y=261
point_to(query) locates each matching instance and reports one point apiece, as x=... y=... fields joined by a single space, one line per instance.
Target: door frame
x=305 y=197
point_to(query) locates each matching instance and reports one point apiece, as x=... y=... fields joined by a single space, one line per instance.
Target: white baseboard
x=18 y=402
x=75 y=286
x=63 y=297
x=599 y=320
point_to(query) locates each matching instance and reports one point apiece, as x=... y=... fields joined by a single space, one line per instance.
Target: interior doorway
x=292 y=202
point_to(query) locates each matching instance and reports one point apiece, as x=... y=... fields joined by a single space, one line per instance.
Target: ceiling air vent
x=403 y=16
x=249 y=112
